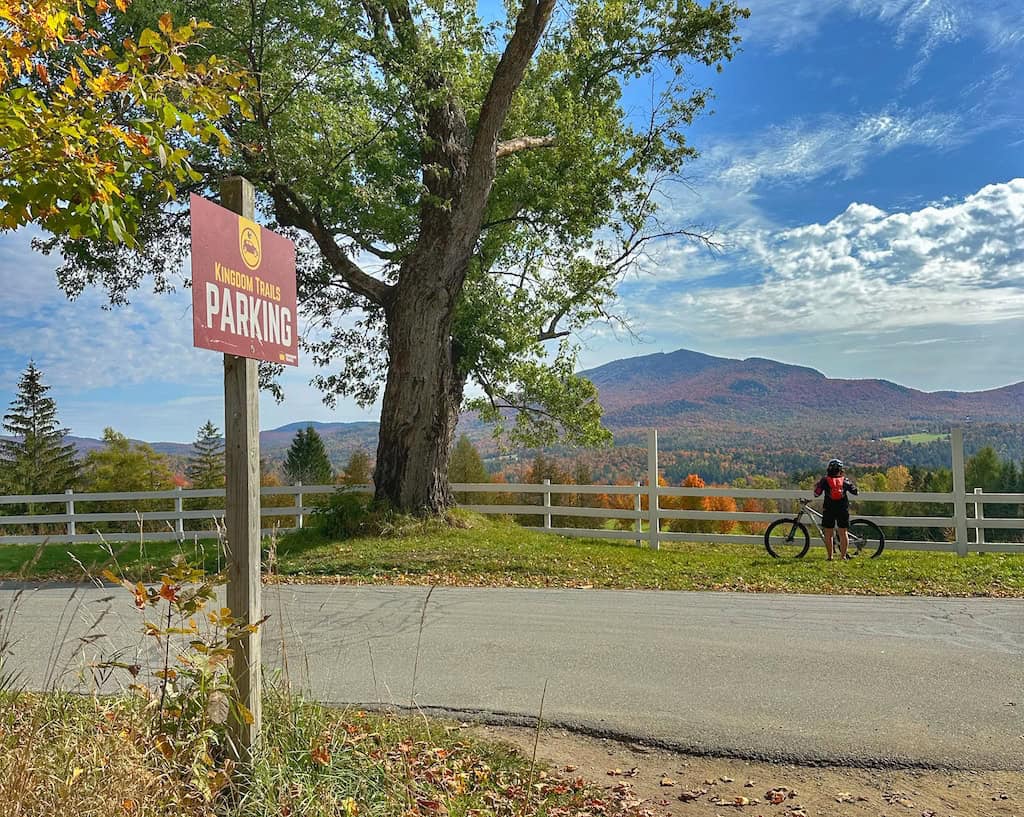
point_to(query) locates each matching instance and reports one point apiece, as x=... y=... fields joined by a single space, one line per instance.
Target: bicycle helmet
x=834 y=467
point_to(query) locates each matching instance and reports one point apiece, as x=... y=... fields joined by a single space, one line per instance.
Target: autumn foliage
x=81 y=122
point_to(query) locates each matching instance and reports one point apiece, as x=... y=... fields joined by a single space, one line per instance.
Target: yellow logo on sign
x=249 y=242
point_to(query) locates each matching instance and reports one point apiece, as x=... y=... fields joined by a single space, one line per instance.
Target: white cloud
x=789 y=23
x=727 y=183
x=841 y=144
x=867 y=270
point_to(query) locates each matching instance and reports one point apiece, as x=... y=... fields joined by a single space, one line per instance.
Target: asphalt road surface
x=872 y=681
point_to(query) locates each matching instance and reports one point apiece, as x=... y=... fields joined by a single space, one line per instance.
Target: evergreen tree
x=357 y=469
x=983 y=470
x=37 y=460
x=307 y=460
x=206 y=465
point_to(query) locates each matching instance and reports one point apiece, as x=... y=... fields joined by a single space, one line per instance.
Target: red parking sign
x=243 y=286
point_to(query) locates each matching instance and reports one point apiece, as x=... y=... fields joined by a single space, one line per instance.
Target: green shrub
x=343 y=515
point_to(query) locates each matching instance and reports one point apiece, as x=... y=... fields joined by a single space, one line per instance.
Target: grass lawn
x=485 y=551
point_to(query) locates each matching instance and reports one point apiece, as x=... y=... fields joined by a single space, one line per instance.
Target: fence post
x=298 y=503
x=979 y=513
x=69 y=509
x=547 y=504
x=956 y=439
x=638 y=506
x=179 y=509
x=652 y=488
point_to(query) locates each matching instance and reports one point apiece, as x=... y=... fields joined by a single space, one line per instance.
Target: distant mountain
x=686 y=388
x=723 y=417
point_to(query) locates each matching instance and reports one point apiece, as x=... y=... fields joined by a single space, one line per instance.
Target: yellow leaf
x=166 y=23
x=163 y=743
x=243 y=710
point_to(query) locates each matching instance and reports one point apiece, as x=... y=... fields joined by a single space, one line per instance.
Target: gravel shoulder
x=660 y=778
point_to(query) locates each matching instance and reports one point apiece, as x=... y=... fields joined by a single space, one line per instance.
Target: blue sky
x=864 y=171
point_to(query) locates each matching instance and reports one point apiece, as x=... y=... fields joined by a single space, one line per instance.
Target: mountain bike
x=788 y=537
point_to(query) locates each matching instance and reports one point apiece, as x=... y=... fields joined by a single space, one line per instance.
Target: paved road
x=807 y=678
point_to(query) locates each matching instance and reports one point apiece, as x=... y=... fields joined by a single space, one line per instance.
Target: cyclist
x=836 y=511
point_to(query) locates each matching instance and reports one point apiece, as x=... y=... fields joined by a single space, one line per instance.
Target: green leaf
x=150 y=39
x=170 y=115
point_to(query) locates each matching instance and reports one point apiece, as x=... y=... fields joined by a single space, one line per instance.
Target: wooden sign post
x=244 y=305
x=242 y=512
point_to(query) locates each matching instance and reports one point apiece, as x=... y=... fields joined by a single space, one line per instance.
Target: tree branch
x=508 y=74
x=510 y=146
x=291 y=210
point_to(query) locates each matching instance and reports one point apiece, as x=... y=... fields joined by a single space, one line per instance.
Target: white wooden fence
x=966 y=512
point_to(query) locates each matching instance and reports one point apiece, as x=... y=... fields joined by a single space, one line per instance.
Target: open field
x=480 y=551
x=916 y=438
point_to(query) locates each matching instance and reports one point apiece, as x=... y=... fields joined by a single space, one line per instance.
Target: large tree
x=36 y=460
x=468 y=187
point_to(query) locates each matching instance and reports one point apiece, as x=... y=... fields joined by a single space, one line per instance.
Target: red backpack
x=835 y=487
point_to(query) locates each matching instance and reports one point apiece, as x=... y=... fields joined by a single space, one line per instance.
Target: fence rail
x=175 y=519
x=647 y=523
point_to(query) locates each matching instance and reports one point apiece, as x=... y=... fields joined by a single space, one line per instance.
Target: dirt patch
x=678 y=785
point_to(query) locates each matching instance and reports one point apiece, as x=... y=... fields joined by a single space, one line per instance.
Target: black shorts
x=830 y=517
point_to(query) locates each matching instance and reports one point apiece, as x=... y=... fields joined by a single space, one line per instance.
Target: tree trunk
x=421 y=403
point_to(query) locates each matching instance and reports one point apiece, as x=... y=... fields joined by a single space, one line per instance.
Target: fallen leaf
x=749 y=784
x=726 y=779
x=320 y=754
x=667 y=781
x=692 y=794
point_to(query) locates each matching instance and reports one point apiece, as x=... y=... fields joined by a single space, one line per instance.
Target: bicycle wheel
x=787 y=538
x=866 y=538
